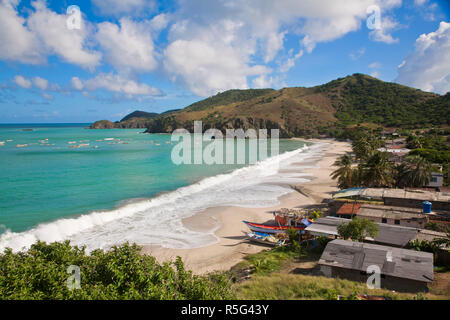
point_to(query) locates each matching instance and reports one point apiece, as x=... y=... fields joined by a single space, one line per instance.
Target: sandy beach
x=226 y=222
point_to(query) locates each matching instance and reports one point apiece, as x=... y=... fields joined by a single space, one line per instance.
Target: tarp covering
x=306 y=222
x=348 y=193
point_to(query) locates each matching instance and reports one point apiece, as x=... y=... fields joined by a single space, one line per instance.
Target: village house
x=436 y=181
x=407 y=197
x=391 y=235
x=400 y=269
x=407 y=217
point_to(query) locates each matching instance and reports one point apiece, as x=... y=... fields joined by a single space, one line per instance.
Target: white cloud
x=121 y=7
x=208 y=36
x=70 y=45
x=206 y=68
x=290 y=62
x=428 y=67
x=383 y=34
x=17 y=42
x=115 y=83
x=128 y=48
x=23 y=82
x=41 y=83
x=77 y=84
x=375 y=65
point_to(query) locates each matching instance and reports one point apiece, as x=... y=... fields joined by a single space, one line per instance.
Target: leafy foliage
x=358 y=229
x=364 y=99
x=121 y=273
x=415 y=171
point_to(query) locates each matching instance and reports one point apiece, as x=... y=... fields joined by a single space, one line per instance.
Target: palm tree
x=415 y=171
x=345 y=174
x=367 y=145
x=377 y=171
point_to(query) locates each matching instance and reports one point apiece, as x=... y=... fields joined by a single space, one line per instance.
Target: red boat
x=258 y=227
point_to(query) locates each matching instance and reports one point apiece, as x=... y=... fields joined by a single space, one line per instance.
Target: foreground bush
x=121 y=273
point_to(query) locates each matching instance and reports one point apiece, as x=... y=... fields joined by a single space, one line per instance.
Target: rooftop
x=390 y=212
x=405 y=194
x=401 y=263
x=387 y=234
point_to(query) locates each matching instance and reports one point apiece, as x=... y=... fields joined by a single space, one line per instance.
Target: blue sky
x=118 y=56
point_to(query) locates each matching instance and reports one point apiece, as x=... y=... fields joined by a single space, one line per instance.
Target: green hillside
x=227 y=97
x=308 y=112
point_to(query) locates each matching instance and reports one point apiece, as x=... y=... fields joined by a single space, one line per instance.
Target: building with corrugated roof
x=390 y=235
x=400 y=269
x=407 y=217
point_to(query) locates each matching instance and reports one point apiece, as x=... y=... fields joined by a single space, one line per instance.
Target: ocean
x=100 y=188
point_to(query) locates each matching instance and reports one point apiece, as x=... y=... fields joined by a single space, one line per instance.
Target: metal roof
x=390 y=212
x=401 y=263
x=387 y=234
x=405 y=194
x=348 y=193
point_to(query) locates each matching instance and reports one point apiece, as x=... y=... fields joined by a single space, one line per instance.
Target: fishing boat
x=265 y=228
x=264 y=238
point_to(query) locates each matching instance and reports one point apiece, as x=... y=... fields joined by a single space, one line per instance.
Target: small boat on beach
x=265 y=228
x=265 y=238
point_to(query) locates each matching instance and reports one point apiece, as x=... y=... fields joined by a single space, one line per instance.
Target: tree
x=345 y=174
x=366 y=145
x=358 y=229
x=377 y=171
x=415 y=171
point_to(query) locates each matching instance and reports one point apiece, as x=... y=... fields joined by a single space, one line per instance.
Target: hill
x=140 y=114
x=314 y=111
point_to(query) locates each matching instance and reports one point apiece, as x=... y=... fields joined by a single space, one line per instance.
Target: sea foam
x=158 y=220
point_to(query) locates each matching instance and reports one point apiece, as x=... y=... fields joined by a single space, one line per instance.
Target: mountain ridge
x=307 y=111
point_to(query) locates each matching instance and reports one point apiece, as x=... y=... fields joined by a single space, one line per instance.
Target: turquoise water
x=47 y=180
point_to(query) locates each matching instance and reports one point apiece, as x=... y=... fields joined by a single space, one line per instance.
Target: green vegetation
x=122 y=273
x=415 y=171
x=333 y=109
x=372 y=168
x=346 y=175
x=140 y=114
x=358 y=229
x=363 y=99
x=227 y=97
x=437 y=226
x=282 y=286
x=431 y=246
x=266 y=261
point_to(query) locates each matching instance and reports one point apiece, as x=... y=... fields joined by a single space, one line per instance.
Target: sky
x=82 y=61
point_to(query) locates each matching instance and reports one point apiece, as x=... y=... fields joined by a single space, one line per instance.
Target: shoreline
x=225 y=222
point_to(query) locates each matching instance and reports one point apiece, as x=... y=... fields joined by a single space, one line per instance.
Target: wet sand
x=226 y=222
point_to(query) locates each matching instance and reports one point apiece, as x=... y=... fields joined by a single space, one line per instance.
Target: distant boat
x=265 y=228
x=21 y=145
